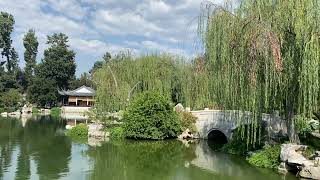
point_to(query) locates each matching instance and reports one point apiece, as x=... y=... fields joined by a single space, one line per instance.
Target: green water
x=38 y=149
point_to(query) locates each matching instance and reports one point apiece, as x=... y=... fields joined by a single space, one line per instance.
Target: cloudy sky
x=97 y=26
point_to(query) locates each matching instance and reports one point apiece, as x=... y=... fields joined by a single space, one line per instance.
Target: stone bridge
x=215 y=122
x=221 y=123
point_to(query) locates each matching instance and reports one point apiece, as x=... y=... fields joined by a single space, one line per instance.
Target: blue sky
x=97 y=26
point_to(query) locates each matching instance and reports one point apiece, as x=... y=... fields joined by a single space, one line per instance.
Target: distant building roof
x=81 y=91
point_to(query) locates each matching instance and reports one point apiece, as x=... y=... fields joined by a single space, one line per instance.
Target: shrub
x=79 y=132
x=116 y=132
x=35 y=110
x=188 y=121
x=10 y=100
x=151 y=116
x=302 y=125
x=55 y=111
x=266 y=158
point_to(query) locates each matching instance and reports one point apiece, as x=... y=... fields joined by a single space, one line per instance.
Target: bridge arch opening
x=216 y=139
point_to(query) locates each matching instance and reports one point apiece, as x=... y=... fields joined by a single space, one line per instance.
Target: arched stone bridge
x=218 y=121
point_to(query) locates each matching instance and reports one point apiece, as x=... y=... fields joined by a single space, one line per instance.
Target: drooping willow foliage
x=264 y=56
x=182 y=81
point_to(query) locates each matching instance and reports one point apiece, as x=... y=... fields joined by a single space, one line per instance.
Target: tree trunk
x=292 y=132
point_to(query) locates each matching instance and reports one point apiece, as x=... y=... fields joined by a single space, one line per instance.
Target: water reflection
x=39 y=150
x=37 y=141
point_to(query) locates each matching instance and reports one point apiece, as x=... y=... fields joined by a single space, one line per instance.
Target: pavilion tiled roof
x=81 y=91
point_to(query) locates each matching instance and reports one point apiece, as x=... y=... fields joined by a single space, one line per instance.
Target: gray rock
x=96 y=131
x=4 y=114
x=283 y=168
x=187 y=134
x=179 y=108
x=291 y=151
x=310 y=172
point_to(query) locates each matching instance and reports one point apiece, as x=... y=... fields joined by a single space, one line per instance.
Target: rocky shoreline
x=293 y=160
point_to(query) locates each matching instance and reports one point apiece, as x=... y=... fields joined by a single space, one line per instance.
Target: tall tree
x=264 y=57
x=6 y=28
x=30 y=44
x=84 y=80
x=58 y=63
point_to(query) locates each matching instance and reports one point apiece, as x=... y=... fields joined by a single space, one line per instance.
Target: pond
x=38 y=149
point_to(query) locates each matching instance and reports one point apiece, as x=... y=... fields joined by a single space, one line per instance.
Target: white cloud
x=70 y=8
x=124 y=23
x=97 y=47
x=96 y=26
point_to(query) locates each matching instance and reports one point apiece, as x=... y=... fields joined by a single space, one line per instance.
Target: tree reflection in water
x=36 y=141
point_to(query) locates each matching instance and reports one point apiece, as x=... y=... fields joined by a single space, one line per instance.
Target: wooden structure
x=82 y=97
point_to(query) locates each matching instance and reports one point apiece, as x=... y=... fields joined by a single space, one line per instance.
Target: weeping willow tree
x=181 y=80
x=120 y=79
x=264 y=56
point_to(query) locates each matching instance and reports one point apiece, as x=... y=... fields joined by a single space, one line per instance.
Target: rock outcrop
x=293 y=159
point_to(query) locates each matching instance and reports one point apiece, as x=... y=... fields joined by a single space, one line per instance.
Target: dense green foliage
x=55 y=111
x=150 y=116
x=43 y=92
x=41 y=81
x=58 y=63
x=7 y=51
x=124 y=76
x=10 y=100
x=35 y=110
x=302 y=125
x=238 y=145
x=55 y=71
x=83 y=80
x=79 y=132
x=266 y=158
x=116 y=132
x=30 y=44
x=188 y=121
x=264 y=56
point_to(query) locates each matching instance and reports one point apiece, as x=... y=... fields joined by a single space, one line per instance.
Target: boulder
x=68 y=127
x=179 y=108
x=310 y=172
x=96 y=131
x=187 y=134
x=16 y=114
x=4 y=114
x=291 y=151
x=283 y=168
x=299 y=160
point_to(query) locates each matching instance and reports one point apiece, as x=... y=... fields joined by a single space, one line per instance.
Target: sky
x=98 y=26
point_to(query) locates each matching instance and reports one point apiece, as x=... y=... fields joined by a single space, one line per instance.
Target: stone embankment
x=96 y=134
x=293 y=160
